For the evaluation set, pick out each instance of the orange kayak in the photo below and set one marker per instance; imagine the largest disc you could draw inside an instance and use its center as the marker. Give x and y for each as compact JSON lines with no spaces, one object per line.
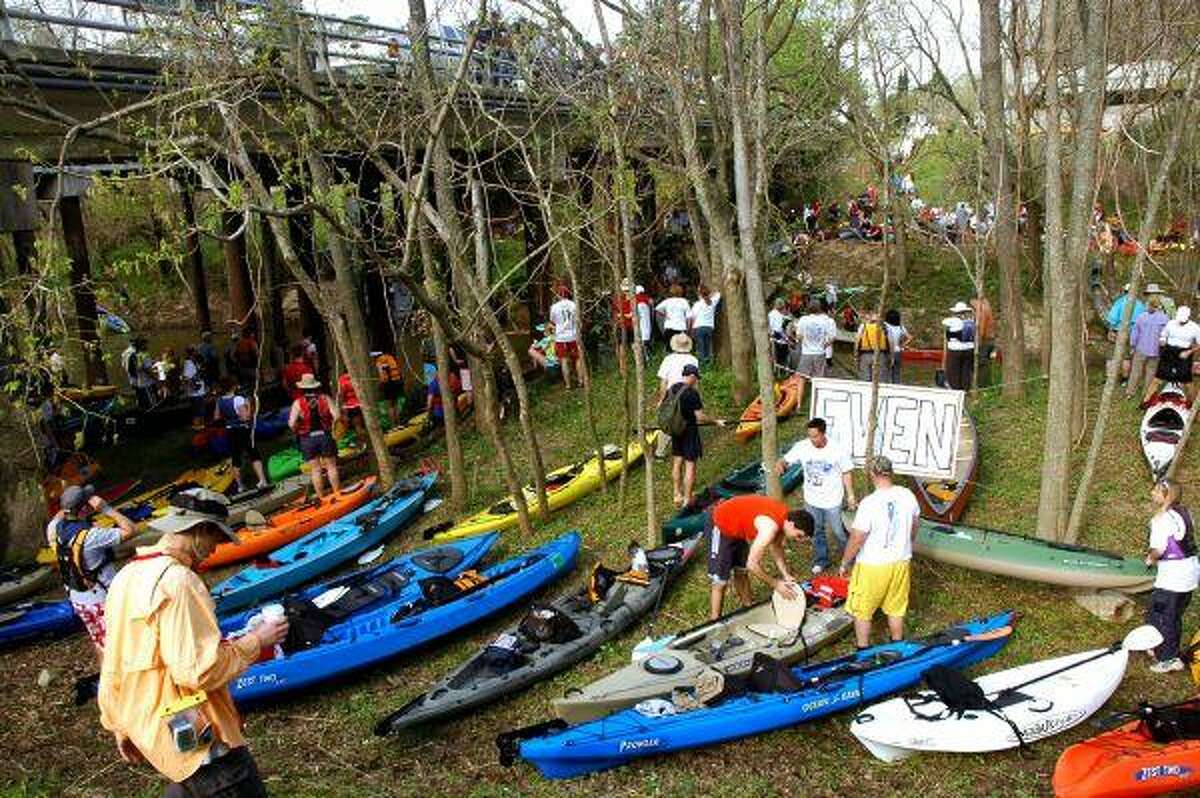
{"x":787,"y":397}
{"x":1127,"y":763}
{"x":289,"y":524}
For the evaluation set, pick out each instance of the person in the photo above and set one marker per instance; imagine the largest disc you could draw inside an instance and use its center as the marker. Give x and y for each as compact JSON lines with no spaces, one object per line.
{"x":245,"y":358}
{"x":871,"y":346}
{"x":827,"y":306}
{"x":985,"y":335}
{"x":236,"y":412}
{"x":879,"y":549}
{"x":164,"y":644}
{"x":1143,"y":340}
{"x":210,"y":363}
{"x":702,"y":320}
{"x":686,"y":448}
{"x":391,"y":383}
{"x":623,"y":311}
{"x":742,"y":530}
{"x":542,"y":350}
{"x":435,"y":409}
{"x":670,"y":374}
{"x":311,"y":353}
{"x":1179,"y":342}
{"x":192,"y":374}
{"x":812,"y":333}
{"x":777,"y":320}
{"x":57,"y":366}
{"x":828,"y":486}
{"x":85,"y":555}
{"x":898,"y":338}
{"x":645,"y":313}
{"x":166,"y":372}
{"x":296,"y":368}
{"x":312,"y":418}
{"x":460,"y":364}
{"x":1173,"y":551}
{"x":673,"y":313}
{"x":1117,"y":309}
{"x":564,"y":315}
{"x":140,"y":372}
{"x":351,"y":408}
{"x":958,"y":347}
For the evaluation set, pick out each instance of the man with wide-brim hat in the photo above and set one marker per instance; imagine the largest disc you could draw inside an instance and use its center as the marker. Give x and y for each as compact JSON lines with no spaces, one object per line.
{"x":1168,"y":304}
{"x":312,"y":419}
{"x":165,"y":650}
{"x":670,"y":374}
{"x":958,"y":347}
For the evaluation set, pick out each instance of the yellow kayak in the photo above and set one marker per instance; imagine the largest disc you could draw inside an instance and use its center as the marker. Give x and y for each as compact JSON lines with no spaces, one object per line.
{"x":407,"y":433}
{"x":563,"y":486}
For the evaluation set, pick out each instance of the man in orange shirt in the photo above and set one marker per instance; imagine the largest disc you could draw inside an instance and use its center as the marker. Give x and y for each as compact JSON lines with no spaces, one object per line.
{"x":743,"y":528}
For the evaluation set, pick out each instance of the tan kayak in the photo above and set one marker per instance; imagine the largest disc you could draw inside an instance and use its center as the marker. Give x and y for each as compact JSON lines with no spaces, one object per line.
{"x":727,"y":644}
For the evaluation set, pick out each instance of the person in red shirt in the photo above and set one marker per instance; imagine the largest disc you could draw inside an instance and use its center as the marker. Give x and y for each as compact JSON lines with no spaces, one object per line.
{"x":743,"y":528}
{"x":623,"y":322}
{"x":351,"y":408}
{"x":296,"y":368}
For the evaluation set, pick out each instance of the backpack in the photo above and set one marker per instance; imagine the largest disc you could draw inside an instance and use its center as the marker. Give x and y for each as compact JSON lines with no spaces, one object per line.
{"x":1171,"y":724}
{"x":670,"y":413}
{"x":70,"y":536}
{"x":956,"y":691}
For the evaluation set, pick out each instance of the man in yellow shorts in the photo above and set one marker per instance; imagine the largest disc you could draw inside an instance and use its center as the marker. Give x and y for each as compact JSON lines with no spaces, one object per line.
{"x":880,"y":548}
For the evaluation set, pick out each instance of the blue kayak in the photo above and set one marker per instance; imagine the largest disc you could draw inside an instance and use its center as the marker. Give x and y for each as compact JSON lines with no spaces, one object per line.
{"x":325,"y":548}
{"x":36,"y":620}
{"x":272,"y":425}
{"x":561,"y":752}
{"x":414,"y":609}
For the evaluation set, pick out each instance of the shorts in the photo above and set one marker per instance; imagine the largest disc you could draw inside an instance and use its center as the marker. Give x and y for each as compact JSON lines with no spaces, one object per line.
{"x":874,"y":587}
{"x":92,"y":617}
{"x":566,"y":350}
{"x":240,"y":446}
{"x":1172,"y":367}
{"x":810,"y":365}
{"x":392,"y":390}
{"x":687,"y":445}
{"x":724,"y":554}
{"x":317,"y":445}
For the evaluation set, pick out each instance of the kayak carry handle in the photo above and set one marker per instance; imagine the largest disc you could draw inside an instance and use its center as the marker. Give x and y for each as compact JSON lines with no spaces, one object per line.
{"x":508,"y":743}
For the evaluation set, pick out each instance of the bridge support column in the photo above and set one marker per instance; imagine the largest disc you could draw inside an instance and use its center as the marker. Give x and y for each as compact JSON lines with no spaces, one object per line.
{"x":274,"y":325}
{"x":195,"y":259}
{"x":540,"y":287}
{"x":19,"y":216}
{"x":370,"y":220}
{"x":237,"y":271}
{"x":301,"y":228}
{"x":70,"y":211}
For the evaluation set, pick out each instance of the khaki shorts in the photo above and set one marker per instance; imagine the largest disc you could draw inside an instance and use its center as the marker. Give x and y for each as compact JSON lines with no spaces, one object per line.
{"x":875,"y":587}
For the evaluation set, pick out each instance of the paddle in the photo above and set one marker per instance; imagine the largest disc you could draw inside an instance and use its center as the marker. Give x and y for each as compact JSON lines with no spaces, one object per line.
{"x":1141,"y":638}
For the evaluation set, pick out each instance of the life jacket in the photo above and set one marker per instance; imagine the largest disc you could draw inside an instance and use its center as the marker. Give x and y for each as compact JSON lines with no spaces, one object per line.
{"x":70,"y":536}
{"x":1181,"y":549}
{"x":872,"y":338}
{"x":229,"y":414}
{"x":319,"y":404}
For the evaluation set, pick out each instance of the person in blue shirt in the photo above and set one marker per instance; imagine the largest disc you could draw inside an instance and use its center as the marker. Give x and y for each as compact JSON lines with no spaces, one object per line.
{"x":1113,"y":319}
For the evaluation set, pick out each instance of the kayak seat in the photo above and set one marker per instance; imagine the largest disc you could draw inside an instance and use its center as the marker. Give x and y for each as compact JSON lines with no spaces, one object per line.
{"x":1162,"y":436}
{"x":1167,"y":418}
{"x":439,"y":561}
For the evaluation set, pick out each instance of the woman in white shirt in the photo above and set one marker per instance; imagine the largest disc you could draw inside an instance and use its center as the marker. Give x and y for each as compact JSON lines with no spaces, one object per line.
{"x":703,"y":318}
{"x":1173,"y":549}
{"x":673,"y":313}
{"x":1179,"y":342}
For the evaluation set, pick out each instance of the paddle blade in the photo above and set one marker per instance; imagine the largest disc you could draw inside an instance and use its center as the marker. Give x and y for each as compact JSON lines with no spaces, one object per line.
{"x":1142,"y":638}
{"x":992,"y":634}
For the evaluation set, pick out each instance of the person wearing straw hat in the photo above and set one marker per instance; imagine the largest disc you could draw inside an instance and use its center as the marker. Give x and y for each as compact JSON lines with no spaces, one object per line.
{"x":312,"y":418}
{"x":1143,"y":341}
{"x":670,"y":374}
{"x":164,"y":679}
{"x":958,"y":347}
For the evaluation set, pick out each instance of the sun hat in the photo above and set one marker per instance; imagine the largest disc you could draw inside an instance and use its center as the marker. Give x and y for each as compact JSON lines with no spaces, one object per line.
{"x":960,"y":307}
{"x":308,"y":383}
{"x":1153,"y":288}
{"x":192,"y":508}
{"x":680,"y":342}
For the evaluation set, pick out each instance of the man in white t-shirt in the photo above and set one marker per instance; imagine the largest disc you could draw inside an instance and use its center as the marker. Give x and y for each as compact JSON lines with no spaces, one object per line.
{"x":564,"y":315}
{"x":1179,"y":342}
{"x":828,"y":484}
{"x":777,"y":321}
{"x":670,"y":373}
{"x":880,"y":548}
{"x":813,"y":332}
{"x":673,"y":313}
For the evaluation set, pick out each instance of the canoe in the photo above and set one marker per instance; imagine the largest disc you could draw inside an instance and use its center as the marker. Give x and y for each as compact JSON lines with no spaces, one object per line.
{"x":364,"y":620}
{"x":564,"y":486}
{"x":1030,"y":558}
{"x":727,"y":644}
{"x":1163,"y":428}
{"x":787,"y":397}
{"x":23,"y":580}
{"x":741,"y":480}
{"x":946,"y":499}
{"x":828,"y":687}
{"x":289,"y":524}
{"x":931,"y":356}
{"x":410,"y":432}
{"x":166,"y":415}
{"x":1127,"y":763}
{"x":326,"y":547}
{"x":92,"y":394}
{"x":481,"y":680}
{"x":111,"y":493}
{"x":36,"y":620}
{"x":897,"y":729}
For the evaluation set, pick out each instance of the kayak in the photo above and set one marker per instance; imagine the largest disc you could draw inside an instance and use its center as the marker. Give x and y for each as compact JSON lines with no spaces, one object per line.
{"x":1164,"y":425}
{"x":289,"y":462}
{"x":326,"y":547}
{"x":359,"y":619}
{"x":586,"y":624}
{"x":92,"y":394}
{"x":787,"y":397}
{"x":946,"y":499}
{"x":727,"y":644}
{"x":21,"y":581}
{"x":901,"y":727}
{"x":1127,"y":762}
{"x":563,"y":486}
{"x":112,"y":492}
{"x":826,"y":688}
{"x":1030,"y":558}
{"x":289,"y":524}
{"x":271,"y":425}
{"x":410,"y":432}
{"x":111,"y":321}
{"x":745,"y":479}
{"x":36,"y":620}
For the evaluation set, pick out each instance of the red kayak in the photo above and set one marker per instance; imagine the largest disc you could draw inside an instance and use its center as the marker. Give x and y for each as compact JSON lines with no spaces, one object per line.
{"x":110,"y":493}
{"x":927,"y":356}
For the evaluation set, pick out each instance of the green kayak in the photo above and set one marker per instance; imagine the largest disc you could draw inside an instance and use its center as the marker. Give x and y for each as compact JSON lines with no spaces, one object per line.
{"x":744,"y":479}
{"x":1029,"y":558}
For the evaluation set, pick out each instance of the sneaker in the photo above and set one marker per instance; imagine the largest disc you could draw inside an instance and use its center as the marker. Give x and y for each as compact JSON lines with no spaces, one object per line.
{"x":1167,"y":666}
{"x":817,"y":568}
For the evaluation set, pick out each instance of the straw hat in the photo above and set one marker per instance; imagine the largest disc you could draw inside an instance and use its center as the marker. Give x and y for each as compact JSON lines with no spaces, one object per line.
{"x":308,"y":383}
{"x":1152,"y":288}
{"x":961,"y":307}
{"x":680,"y":342}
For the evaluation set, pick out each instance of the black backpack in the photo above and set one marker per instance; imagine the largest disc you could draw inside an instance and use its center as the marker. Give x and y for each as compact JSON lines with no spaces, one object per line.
{"x":545,"y":624}
{"x":956,"y":691}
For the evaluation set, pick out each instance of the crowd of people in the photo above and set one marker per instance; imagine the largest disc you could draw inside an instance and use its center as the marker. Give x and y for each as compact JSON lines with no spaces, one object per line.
{"x":1163,"y":343}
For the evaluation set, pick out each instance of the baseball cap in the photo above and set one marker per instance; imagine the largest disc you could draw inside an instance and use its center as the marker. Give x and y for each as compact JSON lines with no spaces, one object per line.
{"x":691,"y":369}
{"x":75,"y":497}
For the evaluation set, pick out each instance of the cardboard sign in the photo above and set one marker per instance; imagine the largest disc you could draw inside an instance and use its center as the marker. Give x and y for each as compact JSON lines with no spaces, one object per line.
{"x":917,"y":428}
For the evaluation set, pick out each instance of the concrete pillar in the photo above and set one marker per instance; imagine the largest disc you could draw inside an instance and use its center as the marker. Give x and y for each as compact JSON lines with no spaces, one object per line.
{"x":540,"y":287}
{"x":370,"y":220}
{"x":237,"y":271}
{"x":301,"y":228}
{"x":275,"y":327}
{"x":70,"y":210}
{"x":195,"y":259}
{"x":647,"y":200}
{"x":19,"y":216}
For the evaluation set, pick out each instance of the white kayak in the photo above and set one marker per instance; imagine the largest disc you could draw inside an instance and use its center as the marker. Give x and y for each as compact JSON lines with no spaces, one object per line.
{"x":1163,"y":427}
{"x":900,"y":727}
